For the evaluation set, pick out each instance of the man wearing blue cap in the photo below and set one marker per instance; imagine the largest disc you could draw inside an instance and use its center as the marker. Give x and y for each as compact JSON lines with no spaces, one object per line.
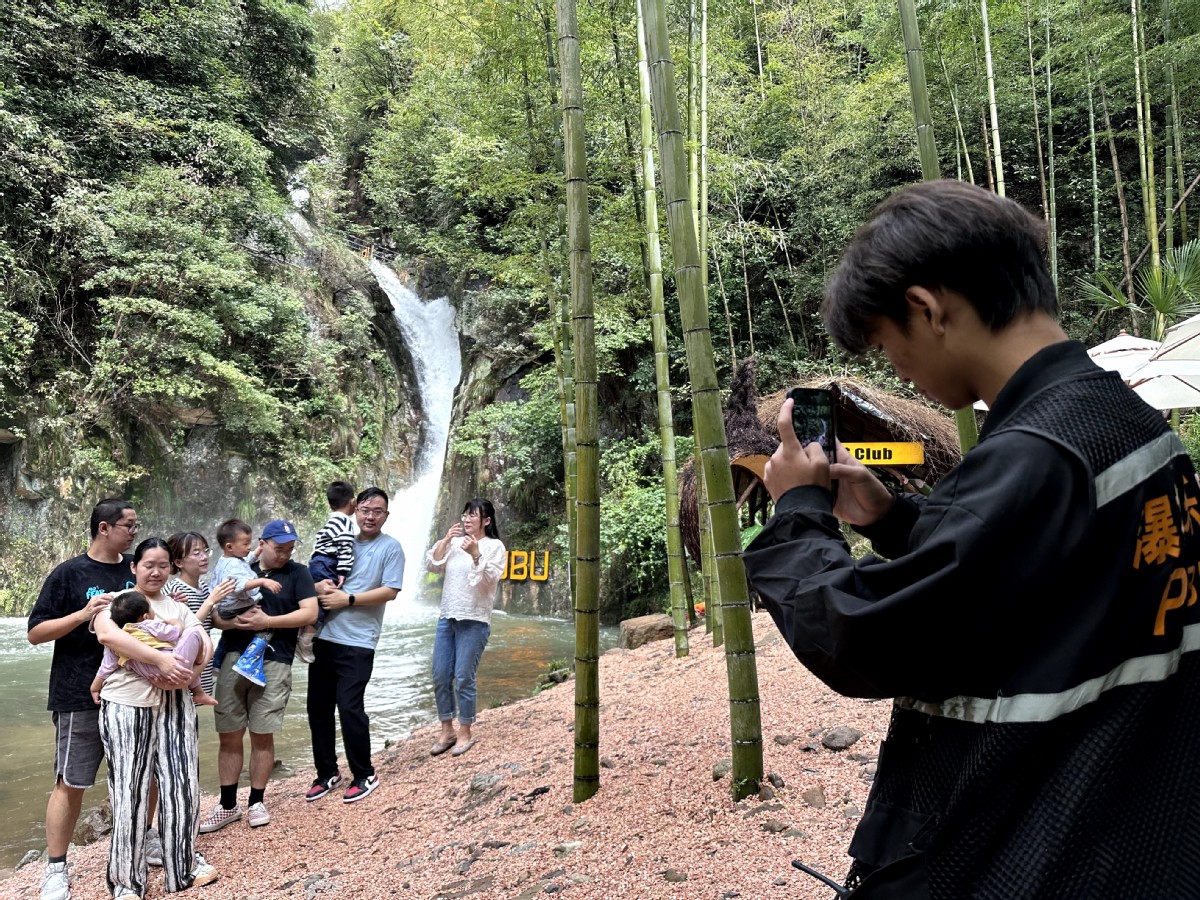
{"x":243,"y":705}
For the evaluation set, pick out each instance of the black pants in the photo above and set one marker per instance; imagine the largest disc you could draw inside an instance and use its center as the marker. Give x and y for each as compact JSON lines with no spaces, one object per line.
{"x":339,"y":679}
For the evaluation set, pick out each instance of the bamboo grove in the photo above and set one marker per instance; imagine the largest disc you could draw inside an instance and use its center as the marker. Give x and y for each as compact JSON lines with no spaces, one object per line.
{"x":761,"y":133}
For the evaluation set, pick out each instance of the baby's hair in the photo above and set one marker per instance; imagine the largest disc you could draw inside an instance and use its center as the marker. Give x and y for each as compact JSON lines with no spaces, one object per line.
{"x":129,"y":607}
{"x":339,"y":493}
{"x":229,"y":531}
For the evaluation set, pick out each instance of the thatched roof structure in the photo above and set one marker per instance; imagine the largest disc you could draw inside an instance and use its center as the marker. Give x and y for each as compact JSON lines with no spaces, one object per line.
{"x":865,"y":415}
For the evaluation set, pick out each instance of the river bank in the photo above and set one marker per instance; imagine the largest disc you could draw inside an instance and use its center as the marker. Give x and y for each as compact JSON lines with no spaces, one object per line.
{"x":499,"y":821}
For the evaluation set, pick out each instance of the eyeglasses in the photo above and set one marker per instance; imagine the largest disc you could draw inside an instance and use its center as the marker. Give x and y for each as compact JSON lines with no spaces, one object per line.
{"x":131,"y":528}
{"x":372,"y":512}
{"x":200,"y":553}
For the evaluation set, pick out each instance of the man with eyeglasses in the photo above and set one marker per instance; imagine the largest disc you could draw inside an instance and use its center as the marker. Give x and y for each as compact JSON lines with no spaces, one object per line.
{"x":345,"y":651}
{"x":72,"y":594}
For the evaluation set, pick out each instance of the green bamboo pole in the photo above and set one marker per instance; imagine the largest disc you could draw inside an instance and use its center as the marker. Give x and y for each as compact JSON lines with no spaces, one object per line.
{"x":991,"y":85}
{"x":693,"y":118}
{"x":1175,"y":127}
{"x":662,"y":372}
{"x":587,"y":578}
{"x":1053,"y":213}
{"x":1095,"y":175}
{"x":1152,"y":189}
{"x":703,"y":237}
{"x":1169,"y":180}
{"x":1145,"y":142}
{"x":1037,"y":128}
{"x":744,"y":713}
{"x":964,"y":419}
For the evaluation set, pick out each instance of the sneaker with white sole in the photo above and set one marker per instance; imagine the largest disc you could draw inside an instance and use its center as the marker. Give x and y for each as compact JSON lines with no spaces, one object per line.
{"x":219,"y":818}
{"x":359,"y":788}
{"x":257,"y":815}
{"x":154,"y":850}
{"x":126,"y":893}
{"x":203,"y":873}
{"x":55,"y":884}
{"x":322,"y":786}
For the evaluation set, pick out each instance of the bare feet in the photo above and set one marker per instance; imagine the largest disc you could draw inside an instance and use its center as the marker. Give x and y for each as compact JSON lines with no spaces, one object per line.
{"x":203,"y":699}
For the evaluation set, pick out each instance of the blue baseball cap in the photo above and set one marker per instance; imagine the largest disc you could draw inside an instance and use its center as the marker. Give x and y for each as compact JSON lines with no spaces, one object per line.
{"x":281,"y":531}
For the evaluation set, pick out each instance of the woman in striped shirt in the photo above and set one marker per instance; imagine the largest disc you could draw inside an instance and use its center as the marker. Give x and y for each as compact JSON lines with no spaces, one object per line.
{"x":188,"y":584}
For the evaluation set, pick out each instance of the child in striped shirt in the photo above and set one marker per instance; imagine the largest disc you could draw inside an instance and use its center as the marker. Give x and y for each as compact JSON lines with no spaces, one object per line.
{"x":332,"y":556}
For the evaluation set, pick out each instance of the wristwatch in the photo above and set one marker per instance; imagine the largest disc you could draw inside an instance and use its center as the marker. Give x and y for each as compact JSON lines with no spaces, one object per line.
{"x":350,"y":598}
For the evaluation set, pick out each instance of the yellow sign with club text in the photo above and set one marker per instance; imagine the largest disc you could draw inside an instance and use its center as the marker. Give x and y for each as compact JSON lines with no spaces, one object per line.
{"x":892,"y":453}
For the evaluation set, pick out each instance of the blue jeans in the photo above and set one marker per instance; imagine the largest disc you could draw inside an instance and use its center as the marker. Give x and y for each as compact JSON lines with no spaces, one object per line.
{"x":456,"y":650}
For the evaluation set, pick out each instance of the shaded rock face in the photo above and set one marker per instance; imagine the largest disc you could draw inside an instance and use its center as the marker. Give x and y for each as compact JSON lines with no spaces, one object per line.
{"x":197,"y":474}
{"x":644,"y":629}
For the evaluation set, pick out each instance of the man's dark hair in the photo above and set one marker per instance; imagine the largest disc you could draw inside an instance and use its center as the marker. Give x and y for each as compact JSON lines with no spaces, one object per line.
{"x":110,"y":511}
{"x":229,"y":531}
{"x":939,"y":234}
{"x":370,"y":492}
{"x":128,"y":607}
{"x":339,"y":493}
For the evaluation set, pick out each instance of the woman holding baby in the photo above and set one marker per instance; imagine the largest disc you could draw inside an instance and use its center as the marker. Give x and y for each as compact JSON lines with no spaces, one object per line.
{"x":148,"y":728}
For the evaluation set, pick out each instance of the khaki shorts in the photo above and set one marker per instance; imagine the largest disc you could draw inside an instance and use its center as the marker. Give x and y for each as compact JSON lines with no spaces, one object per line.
{"x":242,"y":704}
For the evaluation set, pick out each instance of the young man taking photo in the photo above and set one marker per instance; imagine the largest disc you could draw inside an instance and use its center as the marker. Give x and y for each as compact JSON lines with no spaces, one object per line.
{"x":1034,"y":618}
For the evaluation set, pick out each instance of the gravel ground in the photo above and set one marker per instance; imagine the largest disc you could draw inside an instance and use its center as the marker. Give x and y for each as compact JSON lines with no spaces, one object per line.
{"x":499,"y":821}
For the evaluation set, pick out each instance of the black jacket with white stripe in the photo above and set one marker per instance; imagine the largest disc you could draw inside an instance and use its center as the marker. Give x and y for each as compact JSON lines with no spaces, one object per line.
{"x":1035,"y":621}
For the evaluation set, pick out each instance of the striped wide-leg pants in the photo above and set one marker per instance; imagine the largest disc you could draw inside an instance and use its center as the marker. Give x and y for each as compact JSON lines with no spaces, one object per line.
{"x":141,"y":742}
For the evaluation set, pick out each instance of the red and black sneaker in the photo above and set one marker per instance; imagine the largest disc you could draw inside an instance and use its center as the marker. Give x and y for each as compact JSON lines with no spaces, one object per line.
{"x":359,"y":788}
{"x":322,"y":786}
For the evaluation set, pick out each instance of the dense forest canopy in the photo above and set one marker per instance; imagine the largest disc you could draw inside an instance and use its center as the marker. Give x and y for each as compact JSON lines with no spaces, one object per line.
{"x":146,"y":149}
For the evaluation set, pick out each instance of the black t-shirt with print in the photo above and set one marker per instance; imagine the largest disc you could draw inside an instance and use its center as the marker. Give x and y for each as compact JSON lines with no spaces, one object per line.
{"x":77,"y":654}
{"x":297,"y":585}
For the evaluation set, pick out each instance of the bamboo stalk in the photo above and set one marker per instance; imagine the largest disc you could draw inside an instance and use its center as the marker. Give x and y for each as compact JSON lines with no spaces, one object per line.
{"x":587,"y":593}
{"x":744,"y":713}
{"x":991,"y":85}
{"x":964,"y":419}
{"x":1052,"y":240}
{"x":662,"y":371}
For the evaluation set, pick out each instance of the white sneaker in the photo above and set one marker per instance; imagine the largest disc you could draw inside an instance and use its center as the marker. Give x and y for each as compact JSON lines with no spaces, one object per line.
{"x":257,"y":815}
{"x":304,"y":647}
{"x":154,"y":848}
{"x":219,"y":818}
{"x":55,"y":885}
{"x":203,"y":873}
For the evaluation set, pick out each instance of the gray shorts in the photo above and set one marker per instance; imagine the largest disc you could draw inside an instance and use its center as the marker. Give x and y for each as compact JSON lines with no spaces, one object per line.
{"x":242,"y":704}
{"x":77,"y":748}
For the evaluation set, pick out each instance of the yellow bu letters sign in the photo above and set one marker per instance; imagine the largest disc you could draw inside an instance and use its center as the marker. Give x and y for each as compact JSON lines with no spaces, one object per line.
{"x":888,"y":454}
{"x":521,"y":565}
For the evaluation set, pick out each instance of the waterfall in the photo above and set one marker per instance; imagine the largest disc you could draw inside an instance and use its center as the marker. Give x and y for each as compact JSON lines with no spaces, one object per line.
{"x":429,"y":333}
{"x":432,"y":341}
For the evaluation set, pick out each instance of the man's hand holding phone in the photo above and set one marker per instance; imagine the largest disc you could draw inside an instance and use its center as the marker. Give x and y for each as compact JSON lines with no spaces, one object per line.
{"x":861,"y":498}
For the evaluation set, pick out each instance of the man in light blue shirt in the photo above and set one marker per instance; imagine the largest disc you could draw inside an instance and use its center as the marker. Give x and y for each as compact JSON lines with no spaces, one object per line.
{"x":345,"y":651}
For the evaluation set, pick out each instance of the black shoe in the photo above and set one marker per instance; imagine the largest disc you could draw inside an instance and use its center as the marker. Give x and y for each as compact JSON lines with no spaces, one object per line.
{"x":359,"y":788}
{"x":322,"y":786}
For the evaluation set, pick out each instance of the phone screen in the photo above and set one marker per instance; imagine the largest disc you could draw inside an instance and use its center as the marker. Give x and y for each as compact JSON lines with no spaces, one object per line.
{"x":813,"y":419}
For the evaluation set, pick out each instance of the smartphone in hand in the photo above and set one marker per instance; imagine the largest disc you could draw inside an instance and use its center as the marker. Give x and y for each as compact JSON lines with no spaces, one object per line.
{"x":814,"y":418}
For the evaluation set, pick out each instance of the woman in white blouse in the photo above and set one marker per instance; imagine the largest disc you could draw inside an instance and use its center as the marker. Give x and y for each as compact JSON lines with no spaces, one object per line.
{"x":473,"y":559}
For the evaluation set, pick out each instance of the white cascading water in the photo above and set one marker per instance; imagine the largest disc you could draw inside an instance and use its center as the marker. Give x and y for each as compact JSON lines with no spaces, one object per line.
{"x":429,"y":333}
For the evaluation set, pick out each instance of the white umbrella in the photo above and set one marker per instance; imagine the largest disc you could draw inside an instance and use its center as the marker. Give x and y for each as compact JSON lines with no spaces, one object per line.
{"x":1123,"y":354}
{"x":1182,"y":341}
{"x":1170,"y":379}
